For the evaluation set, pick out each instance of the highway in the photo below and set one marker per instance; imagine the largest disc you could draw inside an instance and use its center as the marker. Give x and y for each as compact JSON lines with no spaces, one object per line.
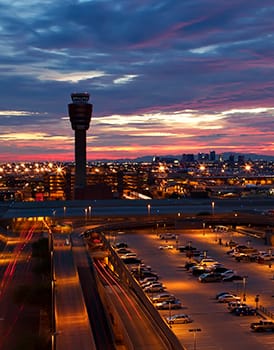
{"x":15,"y":271}
{"x":134,"y":208}
{"x":219,"y":329}
{"x":99,"y":321}
{"x":72,"y":327}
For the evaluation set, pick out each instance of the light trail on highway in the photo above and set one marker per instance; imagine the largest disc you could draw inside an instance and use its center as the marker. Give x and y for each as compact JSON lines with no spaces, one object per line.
{"x":17,"y":270}
{"x":109,"y":279}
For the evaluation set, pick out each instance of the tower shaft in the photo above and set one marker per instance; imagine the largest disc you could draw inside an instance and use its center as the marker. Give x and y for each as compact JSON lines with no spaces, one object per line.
{"x":80,"y":114}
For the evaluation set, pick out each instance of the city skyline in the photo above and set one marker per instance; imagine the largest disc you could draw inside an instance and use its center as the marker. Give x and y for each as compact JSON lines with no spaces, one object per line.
{"x":164,"y":77}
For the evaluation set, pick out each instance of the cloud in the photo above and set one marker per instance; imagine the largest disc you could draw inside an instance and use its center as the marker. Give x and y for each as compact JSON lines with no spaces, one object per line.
{"x":163,"y":76}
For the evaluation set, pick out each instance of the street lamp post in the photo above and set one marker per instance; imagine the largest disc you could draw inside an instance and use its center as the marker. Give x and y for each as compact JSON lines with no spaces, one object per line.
{"x":148,"y":209}
{"x":195,"y":330}
{"x":244,"y":287}
{"x":203,"y":228}
{"x":65,"y":209}
{"x":169,"y":309}
{"x":257,"y":301}
{"x":212,"y":207}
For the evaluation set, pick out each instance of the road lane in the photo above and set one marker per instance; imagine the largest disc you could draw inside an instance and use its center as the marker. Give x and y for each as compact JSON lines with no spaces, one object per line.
{"x":72,"y":324}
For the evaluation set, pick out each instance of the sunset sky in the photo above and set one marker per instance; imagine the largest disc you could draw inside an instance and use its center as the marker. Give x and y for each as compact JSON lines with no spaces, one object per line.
{"x":165,"y":77}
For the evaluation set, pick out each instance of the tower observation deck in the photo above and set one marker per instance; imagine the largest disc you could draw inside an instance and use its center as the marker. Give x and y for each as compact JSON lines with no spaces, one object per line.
{"x":80,"y":112}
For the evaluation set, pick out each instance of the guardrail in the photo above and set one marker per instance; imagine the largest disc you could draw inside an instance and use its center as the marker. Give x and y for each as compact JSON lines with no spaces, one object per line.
{"x":263,"y":311}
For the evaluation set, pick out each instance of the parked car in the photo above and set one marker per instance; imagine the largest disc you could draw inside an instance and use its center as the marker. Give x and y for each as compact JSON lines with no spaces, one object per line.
{"x":123,"y":250}
{"x":210,"y":277}
{"x":162,"y":297}
{"x":121,"y":245}
{"x":148,"y":279}
{"x":152,"y":284}
{"x":168,"y":236}
{"x":185,"y":248}
{"x":226,"y":273}
{"x":244,"y":311}
{"x":218,"y":295}
{"x":179,"y":318}
{"x":220,"y":269}
{"x":164,"y":247}
{"x":190,"y":264}
{"x":226,"y":298}
{"x":153,"y":289}
{"x":265,"y":257}
{"x":234,"y":304}
{"x":132,"y":261}
{"x":169,"y":304}
{"x":198,"y":270}
{"x":129,"y":255}
{"x":262,"y":326}
{"x":145,"y":273}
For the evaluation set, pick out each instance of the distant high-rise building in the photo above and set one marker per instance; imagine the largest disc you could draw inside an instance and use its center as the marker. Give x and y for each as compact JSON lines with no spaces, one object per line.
{"x":212,"y":156}
{"x":203,"y":157}
{"x":231,"y":159}
{"x":241,"y":159}
{"x":80,"y":114}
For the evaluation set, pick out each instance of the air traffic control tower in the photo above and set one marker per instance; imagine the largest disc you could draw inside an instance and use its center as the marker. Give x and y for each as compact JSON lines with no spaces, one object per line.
{"x":80,"y":114}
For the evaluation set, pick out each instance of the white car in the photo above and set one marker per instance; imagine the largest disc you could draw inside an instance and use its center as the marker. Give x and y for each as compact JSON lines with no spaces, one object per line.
{"x":162,"y":297}
{"x":149,"y":279}
{"x":164,"y":247}
{"x":152,"y":284}
{"x":206,"y":261}
{"x":179,"y":318}
{"x":265,"y":257}
{"x":227,"y":273}
{"x":129,"y":255}
{"x":228,"y":298}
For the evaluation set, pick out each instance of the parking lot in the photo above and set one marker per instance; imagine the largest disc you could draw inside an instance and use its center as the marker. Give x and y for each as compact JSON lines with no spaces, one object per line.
{"x":213,"y":326}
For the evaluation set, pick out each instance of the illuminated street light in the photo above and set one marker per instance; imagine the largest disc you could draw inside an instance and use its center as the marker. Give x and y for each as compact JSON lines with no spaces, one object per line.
{"x":148,"y":209}
{"x":65,"y":209}
{"x":212,"y":207}
{"x":203,"y":228}
{"x":89,"y":211}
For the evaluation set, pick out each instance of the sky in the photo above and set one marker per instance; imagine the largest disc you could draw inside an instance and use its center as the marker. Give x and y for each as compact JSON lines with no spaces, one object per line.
{"x":165,"y":77}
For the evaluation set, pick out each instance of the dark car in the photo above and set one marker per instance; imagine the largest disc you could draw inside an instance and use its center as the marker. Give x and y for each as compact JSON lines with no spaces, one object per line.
{"x":198,"y":270}
{"x":121,"y":245}
{"x":189,"y":264}
{"x":244,"y":311}
{"x":220,"y":269}
{"x":168,"y":305}
{"x":132,"y":261}
{"x":210,"y":277}
{"x":144,"y":274}
{"x":185,"y":248}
